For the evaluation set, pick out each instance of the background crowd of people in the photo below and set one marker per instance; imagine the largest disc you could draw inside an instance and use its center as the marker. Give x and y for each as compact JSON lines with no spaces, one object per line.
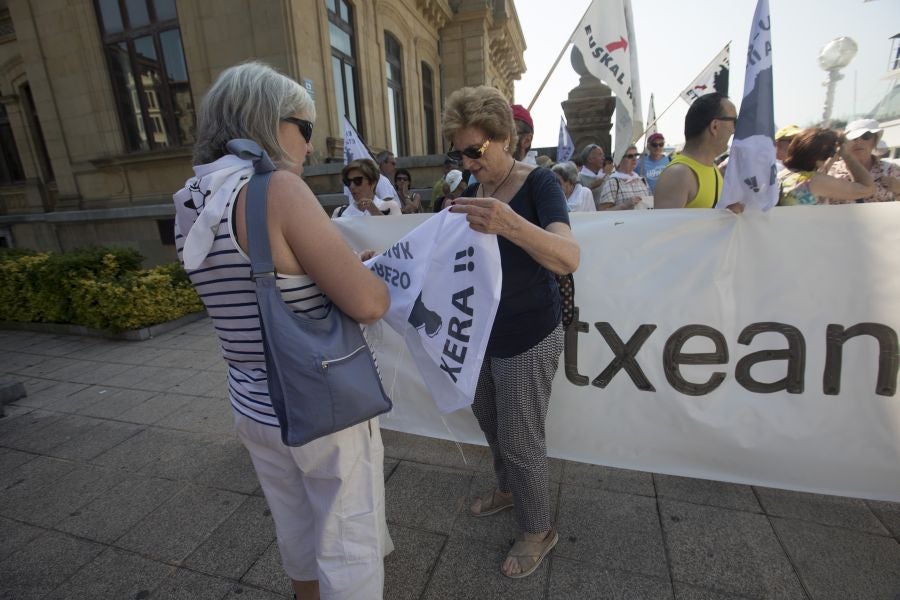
{"x":814,"y":166}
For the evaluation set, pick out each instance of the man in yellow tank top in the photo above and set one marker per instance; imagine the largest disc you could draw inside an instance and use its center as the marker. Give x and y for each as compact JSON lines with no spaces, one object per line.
{"x":692,"y":180}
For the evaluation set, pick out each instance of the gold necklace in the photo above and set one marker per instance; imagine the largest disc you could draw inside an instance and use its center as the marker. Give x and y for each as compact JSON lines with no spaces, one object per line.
{"x":508,"y":173}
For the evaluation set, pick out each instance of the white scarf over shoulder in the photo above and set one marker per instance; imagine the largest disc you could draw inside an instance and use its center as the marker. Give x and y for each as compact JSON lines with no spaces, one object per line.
{"x":201,"y":203}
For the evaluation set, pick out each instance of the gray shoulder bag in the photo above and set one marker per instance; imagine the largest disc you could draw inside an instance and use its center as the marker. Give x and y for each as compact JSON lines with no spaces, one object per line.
{"x":321,"y":374}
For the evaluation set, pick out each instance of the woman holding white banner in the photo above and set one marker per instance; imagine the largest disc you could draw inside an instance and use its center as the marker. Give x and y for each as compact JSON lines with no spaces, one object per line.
{"x":525,"y":207}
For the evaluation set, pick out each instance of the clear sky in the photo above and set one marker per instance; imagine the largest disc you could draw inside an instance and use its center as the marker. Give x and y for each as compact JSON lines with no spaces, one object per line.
{"x":676,"y":40}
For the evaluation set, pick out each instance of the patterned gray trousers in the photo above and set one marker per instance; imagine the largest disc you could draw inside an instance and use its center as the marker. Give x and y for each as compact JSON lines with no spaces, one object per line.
{"x":511,"y":401}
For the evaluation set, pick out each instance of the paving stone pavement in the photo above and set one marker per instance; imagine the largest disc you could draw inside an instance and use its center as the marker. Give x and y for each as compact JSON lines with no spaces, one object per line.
{"x":120,"y":478}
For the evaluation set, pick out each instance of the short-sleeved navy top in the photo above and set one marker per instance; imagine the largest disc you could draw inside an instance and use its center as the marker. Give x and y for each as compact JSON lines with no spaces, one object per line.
{"x":530,"y":306}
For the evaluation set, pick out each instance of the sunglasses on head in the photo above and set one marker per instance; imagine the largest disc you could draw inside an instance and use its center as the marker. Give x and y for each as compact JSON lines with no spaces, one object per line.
{"x":472,"y":152}
{"x":357,"y":181}
{"x":657,"y":144}
{"x":303,"y":125}
{"x":632,"y":155}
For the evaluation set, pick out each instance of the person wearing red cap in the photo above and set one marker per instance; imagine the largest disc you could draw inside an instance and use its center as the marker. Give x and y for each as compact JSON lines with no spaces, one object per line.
{"x":524,"y":129}
{"x":652,"y":164}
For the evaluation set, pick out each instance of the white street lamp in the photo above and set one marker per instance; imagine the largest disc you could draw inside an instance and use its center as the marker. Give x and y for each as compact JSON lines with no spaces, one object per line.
{"x":833,"y":57}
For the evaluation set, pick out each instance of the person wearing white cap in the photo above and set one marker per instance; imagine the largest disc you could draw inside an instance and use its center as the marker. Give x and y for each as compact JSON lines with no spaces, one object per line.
{"x":454,"y":186}
{"x":863,"y":136}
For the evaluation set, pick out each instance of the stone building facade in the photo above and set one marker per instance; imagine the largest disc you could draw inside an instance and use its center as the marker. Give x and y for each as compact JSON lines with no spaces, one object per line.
{"x":97,"y":97}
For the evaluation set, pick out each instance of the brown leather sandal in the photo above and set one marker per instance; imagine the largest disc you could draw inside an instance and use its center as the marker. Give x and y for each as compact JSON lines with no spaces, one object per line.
{"x":491,"y":503}
{"x":530,"y":554}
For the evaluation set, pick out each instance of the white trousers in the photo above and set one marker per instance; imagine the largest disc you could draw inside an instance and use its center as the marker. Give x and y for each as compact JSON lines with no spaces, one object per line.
{"x":327,"y":500}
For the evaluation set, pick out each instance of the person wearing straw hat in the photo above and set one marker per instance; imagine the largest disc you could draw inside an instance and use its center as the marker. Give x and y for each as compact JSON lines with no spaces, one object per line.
{"x":783,"y":138}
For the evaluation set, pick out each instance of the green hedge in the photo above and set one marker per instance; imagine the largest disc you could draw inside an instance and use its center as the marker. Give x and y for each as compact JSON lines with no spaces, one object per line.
{"x":102,"y":288}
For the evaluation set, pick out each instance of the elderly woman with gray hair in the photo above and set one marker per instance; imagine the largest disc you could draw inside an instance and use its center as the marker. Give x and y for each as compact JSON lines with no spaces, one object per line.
{"x":578,"y":197}
{"x":326,"y":497}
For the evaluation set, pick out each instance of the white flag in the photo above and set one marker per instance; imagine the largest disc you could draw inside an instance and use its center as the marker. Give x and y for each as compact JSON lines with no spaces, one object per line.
{"x":354,"y":149}
{"x":714,"y":78}
{"x":651,"y":119}
{"x":565,"y":147}
{"x":605,"y":37}
{"x":750,"y":177}
{"x":444,"y":279}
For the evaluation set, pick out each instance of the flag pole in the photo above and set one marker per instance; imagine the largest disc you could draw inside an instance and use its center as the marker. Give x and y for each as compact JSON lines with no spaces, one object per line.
{"x":359,"y":137}
{"x":556,"y":62}
{"x":649,"y":125}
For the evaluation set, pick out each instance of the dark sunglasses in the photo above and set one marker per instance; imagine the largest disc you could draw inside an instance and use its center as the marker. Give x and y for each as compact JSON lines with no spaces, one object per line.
{"x":302,"y":124}
{"x":470,"y":152}
{"x":629,"y":156}
{"x":657,"y":144}
{"x":357,"y":181}
{"x":401,"y":178}
{"x":866,"y":136}
{"x":732,"y":119}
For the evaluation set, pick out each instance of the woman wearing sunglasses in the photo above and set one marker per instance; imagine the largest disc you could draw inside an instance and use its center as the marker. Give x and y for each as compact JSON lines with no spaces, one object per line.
{"x":624,"y":189}
{"x":412,"y":201}
{"x":862,"y":138}
{"x":361,"y":176}
{"x":524,"y":206}
{"x":804,"y":180}
{"x":326,"y":497}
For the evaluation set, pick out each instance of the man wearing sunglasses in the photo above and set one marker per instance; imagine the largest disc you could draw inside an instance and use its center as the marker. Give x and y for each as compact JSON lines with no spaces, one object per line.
{"x":692,"y":180}
{"x":863,"y":136}
{"x":650,"y":166}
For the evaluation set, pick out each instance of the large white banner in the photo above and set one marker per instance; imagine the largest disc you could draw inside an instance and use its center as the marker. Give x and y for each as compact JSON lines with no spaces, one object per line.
{"x":758,"y":348}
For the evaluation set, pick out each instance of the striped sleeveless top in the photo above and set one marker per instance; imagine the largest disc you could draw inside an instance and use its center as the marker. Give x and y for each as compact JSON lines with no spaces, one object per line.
{"x":224,"y":285}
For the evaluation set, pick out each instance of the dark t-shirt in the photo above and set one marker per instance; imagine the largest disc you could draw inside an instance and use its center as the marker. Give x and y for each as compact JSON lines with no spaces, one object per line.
{"x":530,"y":306}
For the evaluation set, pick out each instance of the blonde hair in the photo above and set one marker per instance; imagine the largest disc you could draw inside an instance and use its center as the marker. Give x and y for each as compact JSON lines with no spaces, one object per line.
{"x":483,"y":108}
{"x":248,"y":101}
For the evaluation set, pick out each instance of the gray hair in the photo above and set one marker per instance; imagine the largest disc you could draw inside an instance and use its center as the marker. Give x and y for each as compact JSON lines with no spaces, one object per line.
{"x":587,"y":152}
{"x":567,"y":171}
{"x":248,"y":101}
{"x":383,"y":156}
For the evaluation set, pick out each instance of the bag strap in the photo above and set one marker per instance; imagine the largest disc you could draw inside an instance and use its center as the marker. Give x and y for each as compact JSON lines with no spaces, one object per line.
{"x":260,"y":251}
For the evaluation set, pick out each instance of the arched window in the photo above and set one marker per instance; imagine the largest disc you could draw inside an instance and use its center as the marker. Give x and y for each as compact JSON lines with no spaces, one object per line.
{"x":396,"y":107}
{"x":343,"y":63}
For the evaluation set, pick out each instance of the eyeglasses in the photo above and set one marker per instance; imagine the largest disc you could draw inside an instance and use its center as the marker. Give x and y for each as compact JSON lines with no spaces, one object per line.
{"x":357,"y":181}
{"x":657,"y":144}
{"x":470,"y":152}
{"x":632,"y":155}
{"x":732,"y":119}
{"x":866,"y":136}
{"x":401,"y":178}
{"x":302,"y":124}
